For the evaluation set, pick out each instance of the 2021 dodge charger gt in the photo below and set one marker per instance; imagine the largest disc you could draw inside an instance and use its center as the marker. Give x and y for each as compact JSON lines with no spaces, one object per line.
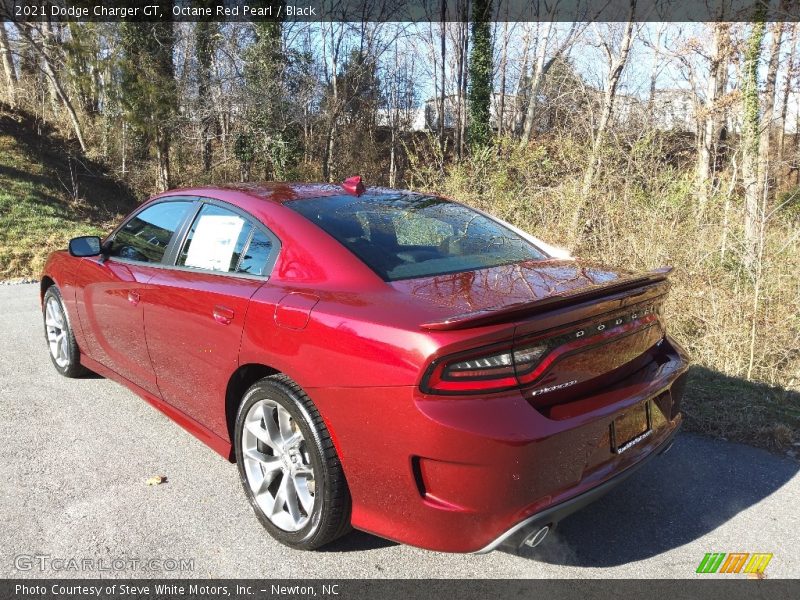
{"x":390,"y":361}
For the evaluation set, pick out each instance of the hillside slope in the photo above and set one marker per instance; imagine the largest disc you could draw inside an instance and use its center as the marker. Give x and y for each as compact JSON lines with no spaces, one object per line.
{"x":49,"y":192}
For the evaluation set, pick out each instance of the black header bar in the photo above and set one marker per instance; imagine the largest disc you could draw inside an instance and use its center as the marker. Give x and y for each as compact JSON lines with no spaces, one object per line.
{"x":397,"y":10}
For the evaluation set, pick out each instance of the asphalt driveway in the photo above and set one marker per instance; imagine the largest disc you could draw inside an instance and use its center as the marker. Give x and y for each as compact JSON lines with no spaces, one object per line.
{"x":76,"y":455}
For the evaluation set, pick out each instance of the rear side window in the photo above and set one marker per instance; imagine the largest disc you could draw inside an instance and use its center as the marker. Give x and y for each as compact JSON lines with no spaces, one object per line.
{"x":408,"y":235}
{"x":222,"y":240}
{"x":145,"y":237}
{"x":216,"y":240}
{"x":257,"y":256}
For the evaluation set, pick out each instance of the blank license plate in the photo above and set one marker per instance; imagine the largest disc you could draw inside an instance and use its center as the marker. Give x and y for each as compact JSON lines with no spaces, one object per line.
{"x":630,"y":428}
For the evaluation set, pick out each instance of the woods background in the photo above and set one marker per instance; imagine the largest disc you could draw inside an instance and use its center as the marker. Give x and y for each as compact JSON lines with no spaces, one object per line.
{"x":635,"y":144}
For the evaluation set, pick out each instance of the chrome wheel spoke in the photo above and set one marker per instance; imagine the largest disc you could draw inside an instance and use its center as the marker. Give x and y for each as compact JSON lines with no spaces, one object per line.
{"x":280,"y":497}
{"x":266,"y":481}
{"x":293,"y":440}
{"x":292,"y":502}
{"x":268,"y":463}
{"x":285,"y":424}
{"x":261,"y":434}
{"x":303,"y":494}
{"x":275,"y":465}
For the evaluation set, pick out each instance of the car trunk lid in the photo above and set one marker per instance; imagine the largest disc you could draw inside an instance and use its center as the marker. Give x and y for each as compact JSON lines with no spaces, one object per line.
{"x":575,"y":325}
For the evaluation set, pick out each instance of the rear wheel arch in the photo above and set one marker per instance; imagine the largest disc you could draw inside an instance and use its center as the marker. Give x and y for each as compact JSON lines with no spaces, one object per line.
{"x":240,"y":381}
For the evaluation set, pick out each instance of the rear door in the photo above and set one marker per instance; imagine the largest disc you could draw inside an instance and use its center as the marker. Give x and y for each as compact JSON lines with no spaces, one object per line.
{"x":195,"y":310}
{"x":110,"y":291}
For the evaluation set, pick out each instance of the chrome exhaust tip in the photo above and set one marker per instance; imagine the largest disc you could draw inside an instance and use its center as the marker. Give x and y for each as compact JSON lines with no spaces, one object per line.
{"x":667,"y":449}
{"x":536,"y":537}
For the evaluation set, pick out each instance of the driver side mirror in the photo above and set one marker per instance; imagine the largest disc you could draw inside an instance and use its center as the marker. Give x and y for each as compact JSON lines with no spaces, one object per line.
{"x":87,"y":245}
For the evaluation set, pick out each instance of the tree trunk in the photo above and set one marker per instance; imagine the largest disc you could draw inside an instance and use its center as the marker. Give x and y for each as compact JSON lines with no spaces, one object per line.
{"x":164,"y":181}
{"x":205,"y":33}
{"x":709,"y":133}
{"x":8,"y":67}
{"x":442,"y":92}
{"x":480,"y":75}
{"x":500,"y":112}
{"x":460,"y":79}
{"x":54,"y":80}
{"x":787,"y":89}
{"x":540,"y":67}
{"x":769,"y":107}
{"x":750,"y":142}
{"x":616,"y":68}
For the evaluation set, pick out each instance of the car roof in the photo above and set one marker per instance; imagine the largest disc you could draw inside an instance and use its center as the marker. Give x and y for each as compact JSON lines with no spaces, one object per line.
{"x":278,"y":192}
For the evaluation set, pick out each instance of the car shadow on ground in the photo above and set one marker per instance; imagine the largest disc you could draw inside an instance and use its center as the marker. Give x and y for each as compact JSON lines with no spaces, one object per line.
{"x":679,"y":497}
{"x":357,"y":541}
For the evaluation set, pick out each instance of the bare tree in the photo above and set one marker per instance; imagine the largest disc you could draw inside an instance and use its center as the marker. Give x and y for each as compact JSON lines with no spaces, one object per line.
{"x":8,"y":66}
{"x":789,"y":77}
{"x":751,"y":123}
{"x":617,"y":59}
{"x":545,"y":57}
{"x":708,"y":133}
{"x":45,"y":51}
{"x":768,"y":111}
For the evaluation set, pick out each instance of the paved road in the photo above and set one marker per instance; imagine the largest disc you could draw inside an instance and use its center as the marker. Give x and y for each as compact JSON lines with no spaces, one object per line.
{"x":76,"y":454}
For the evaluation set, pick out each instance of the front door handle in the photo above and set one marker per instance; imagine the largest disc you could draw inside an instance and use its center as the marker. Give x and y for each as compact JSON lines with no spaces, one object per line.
{"x":223,"y":314}
{"x":133,"y":298}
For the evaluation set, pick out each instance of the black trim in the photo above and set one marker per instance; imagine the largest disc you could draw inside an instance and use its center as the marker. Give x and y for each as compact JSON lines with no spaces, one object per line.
{"x":179,"y":239}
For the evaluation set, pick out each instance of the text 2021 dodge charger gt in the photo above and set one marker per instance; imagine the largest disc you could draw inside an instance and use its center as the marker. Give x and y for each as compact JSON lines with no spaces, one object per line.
{"x":391,"y":361}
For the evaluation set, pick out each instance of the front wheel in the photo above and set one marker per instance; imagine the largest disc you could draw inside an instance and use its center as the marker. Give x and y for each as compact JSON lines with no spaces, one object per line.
{"x":64,"y":350}
{"x":289,"y":467}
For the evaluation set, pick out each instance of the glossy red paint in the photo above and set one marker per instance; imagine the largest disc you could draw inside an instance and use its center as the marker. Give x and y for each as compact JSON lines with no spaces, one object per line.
{"x":446,"y":472}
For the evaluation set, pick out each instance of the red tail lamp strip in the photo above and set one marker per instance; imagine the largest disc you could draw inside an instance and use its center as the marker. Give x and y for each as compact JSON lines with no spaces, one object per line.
{"x":436,"y":383}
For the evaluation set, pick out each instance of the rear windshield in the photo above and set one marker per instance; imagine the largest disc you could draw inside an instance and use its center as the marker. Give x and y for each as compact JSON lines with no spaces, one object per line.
{"x":407,"y":235}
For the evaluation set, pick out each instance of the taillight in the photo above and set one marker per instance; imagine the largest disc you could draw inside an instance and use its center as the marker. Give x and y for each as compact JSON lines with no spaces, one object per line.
{"x":511,"y":365}
{"x":487,"y":370}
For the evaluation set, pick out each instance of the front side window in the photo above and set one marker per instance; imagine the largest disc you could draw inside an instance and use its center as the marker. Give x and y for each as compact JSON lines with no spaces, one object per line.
{"x":408,"y":235}
{"x":145,"y":237}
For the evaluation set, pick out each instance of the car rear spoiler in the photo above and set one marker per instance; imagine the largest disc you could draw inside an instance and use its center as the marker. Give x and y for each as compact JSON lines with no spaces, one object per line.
{"x":488,"y":316}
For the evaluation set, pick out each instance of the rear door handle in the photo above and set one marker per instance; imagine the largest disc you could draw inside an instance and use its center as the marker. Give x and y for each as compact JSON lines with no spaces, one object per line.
{"x":133,"y":298}
{"x":223,"y":314}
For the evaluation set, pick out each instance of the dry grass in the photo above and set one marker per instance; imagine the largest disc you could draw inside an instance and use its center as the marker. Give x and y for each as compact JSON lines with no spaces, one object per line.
{"x":49,"y":193}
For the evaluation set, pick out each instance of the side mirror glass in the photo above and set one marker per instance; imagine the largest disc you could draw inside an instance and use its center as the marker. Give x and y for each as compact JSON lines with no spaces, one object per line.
{"x":87,"y":245}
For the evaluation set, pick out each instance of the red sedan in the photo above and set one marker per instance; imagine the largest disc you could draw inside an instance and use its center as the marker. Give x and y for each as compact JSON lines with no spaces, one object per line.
{"x":391,"y":361}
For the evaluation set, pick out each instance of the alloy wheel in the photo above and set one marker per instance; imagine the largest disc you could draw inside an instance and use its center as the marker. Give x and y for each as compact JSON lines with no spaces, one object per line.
{"x":56,"y":323}
{"x":278,"y":466}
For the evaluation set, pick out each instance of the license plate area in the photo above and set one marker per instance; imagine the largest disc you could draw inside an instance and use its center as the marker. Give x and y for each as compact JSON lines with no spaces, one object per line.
{"x":630,"y":428}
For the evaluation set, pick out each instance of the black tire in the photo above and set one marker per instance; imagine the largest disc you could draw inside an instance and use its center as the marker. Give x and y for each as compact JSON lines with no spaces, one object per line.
{"x":73,"y":367}
{"x":330,"y":516}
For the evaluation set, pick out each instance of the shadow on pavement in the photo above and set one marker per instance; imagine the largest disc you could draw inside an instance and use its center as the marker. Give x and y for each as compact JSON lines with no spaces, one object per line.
{"x":357,"y":541}
{"x":696,"y":487}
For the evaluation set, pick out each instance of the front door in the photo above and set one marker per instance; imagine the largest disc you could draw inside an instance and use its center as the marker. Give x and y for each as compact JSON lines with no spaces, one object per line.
{"x":111,"y":291}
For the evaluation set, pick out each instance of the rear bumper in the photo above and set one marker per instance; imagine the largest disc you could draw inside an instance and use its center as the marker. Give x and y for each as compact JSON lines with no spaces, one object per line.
{"x":463,"y":474}
{"x":514,"y":537}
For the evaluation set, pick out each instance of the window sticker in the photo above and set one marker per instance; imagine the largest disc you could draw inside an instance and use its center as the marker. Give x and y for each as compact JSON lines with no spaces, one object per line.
{"x":213,"y":242}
